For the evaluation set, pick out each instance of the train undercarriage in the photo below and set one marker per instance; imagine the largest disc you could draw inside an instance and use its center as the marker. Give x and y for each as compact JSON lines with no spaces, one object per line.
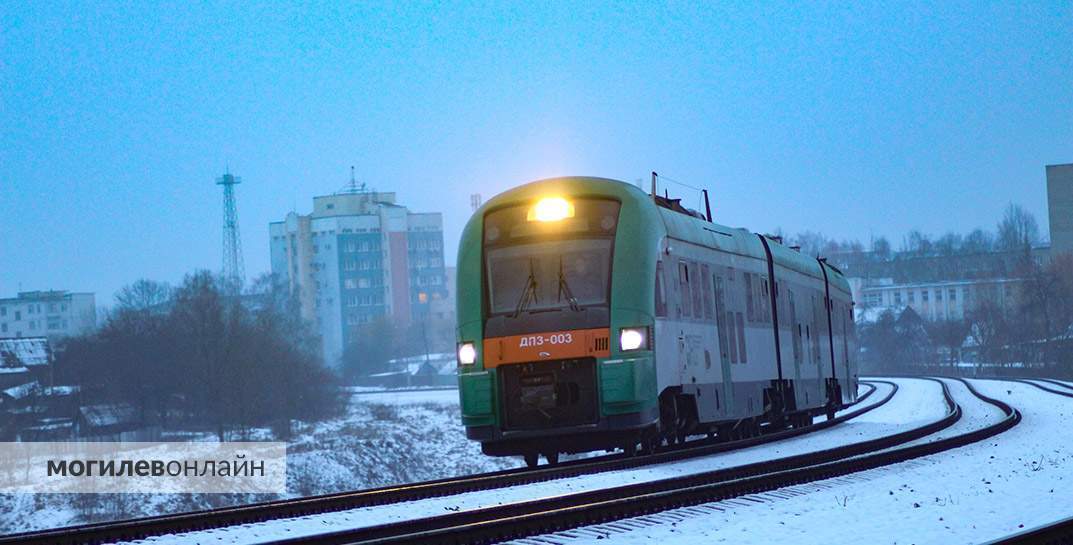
{"x":552,"y":408}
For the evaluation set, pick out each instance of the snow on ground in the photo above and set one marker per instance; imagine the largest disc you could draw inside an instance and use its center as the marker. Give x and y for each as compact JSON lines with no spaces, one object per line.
{"x":1016,"y":480}
{"x":917,"y":402}
{"x":442,"y":396}
{"x":385,"y":438}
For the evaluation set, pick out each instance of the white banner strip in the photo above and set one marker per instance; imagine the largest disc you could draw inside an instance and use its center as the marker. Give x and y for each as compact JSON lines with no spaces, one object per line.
{"x":98,"y":468}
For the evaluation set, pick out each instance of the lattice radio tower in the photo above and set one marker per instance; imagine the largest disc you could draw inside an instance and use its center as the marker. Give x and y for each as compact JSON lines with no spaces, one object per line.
{"x":233,"y":267}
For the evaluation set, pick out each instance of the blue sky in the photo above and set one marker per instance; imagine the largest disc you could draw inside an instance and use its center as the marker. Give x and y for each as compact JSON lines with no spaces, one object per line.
{"x":852,"y":119}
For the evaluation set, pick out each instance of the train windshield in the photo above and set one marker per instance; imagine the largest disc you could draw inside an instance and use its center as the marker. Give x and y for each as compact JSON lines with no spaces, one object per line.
{"x":565,"y":275}
{"x":549,"y":274}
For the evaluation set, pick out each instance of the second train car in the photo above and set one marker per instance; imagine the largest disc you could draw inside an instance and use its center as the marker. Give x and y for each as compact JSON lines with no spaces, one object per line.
{"x":593,"y":315}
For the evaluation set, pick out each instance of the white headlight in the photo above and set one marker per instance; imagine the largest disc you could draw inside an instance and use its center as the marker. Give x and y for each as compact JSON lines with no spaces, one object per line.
{"x":632,"y":338}
{"x":467,"y":354}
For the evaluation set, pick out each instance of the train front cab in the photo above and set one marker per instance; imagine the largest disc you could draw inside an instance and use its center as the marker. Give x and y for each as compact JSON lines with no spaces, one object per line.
{"x":556,"y":316}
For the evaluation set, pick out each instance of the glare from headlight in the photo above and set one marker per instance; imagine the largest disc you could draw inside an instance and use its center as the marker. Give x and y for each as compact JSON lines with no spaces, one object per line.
{"x":631,"y":338}
{"x":467,"y":354}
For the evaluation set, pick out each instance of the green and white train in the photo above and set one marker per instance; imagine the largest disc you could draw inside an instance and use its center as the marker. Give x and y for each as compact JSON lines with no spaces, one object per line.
{"x":595,"y":316}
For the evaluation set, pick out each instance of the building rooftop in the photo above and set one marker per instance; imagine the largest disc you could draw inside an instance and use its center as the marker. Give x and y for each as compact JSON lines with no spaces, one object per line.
{"x":102,"y":416}
{"x":24,"y":351}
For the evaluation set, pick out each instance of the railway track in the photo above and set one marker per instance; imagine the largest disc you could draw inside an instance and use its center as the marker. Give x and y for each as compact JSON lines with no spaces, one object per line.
{"x":1052,"y":386}
{"x":266,"y":511}
{"x":518,"y":520}
{"x":1057,"y":533}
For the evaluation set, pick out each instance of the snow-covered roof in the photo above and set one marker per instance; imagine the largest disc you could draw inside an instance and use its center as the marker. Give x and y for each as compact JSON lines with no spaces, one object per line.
{"x":871,"y":314}
{"x":21,"y":391}
{"x":99,"y":416}
{"x":51,"y":424}
{"x":28,"y":351}
{"x":61,"y":390}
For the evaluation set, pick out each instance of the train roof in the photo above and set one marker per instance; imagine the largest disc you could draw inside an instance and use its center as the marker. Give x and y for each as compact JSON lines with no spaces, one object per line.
{"x":575,"y":186}
{"x":676,"y":224}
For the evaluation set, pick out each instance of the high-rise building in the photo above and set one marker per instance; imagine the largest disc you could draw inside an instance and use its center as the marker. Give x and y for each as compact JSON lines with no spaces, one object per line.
{"x":52,"y":314}
{"x":359,"y":256}
{"x":1060,"y":207}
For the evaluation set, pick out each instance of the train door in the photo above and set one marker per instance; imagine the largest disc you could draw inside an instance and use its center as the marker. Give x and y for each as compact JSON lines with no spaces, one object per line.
{"x":819,"y":339}
{"x":847,"y":330}
{"x":724,"y":343}
{"x":795,"y":330}
{"x":686,"y":337}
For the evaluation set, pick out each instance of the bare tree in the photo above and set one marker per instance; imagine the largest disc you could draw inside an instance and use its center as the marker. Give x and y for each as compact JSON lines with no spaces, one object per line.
{"x":143,"y":295}
{"x":374,"y":344}
{"x":811,"y":242}
{"x":1018,"y":229}
{"x":881,"y":248}
{"x":978,"y":242}
{"x":948,"y":244}
{"x":227,"y":360}
{"x":949,"y":335}
{"x":917,"y":243}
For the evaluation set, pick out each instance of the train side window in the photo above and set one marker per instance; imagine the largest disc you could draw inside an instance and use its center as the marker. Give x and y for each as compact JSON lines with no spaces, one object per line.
{"x":685,"y":298}
{"x":706,"y":290}
{"x":749,"y":312}
{"x":765,"y":302}
{"x":730,"y":333}
{"x":695,"y":285}
{"x":720,"y":320}
{"x":661,"y":298}
{"x":741,"y":339}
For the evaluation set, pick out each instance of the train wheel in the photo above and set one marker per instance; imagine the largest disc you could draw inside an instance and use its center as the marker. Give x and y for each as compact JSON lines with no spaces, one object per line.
{"x":552,"y":457}
{"x":630,"y":448}
{"x":532,"y":459}
{"x":651,"y":444}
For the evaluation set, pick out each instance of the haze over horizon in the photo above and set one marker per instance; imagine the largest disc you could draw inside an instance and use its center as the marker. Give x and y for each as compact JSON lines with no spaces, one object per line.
{"x":848,"y":120}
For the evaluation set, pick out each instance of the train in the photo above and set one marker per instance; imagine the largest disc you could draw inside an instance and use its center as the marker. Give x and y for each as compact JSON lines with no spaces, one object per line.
{"x":593,"y":315}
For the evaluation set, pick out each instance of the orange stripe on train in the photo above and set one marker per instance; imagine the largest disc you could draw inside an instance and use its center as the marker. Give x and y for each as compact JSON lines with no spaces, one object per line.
{"x":554,"y":345}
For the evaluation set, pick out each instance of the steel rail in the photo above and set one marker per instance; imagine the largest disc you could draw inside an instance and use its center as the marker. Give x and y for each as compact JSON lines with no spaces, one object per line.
{"x":523,"y":519}
{"x":139,"y":528}
{"x":1067,"y":390}
{"x":1064,"y":389}
{"x":1056,"y":533}
{"x":1063,"y":384}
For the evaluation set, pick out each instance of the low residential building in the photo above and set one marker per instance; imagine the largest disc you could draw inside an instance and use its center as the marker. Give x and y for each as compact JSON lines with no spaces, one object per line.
{"x":112,"y":423}
{"x":940,"y":300}
{"x":51,"y":313}
{"x":25,"y":359}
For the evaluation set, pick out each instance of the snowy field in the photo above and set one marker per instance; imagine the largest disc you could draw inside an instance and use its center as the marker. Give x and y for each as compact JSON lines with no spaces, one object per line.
{"x":917,"y":402}
{"x":384,"y":438}
{"x":1017,"y":480}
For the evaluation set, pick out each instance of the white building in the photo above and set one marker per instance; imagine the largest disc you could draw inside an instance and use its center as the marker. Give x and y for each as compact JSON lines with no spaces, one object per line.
{"x":357,"y":256}
{"x":942,"y":300}
{"x":52,"y":314}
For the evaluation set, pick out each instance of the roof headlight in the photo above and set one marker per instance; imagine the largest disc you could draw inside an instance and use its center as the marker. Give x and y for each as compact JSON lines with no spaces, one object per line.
{"x":551,"y":209}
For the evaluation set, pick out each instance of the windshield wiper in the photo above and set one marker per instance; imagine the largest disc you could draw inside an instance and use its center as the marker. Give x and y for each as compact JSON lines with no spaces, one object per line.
{"x":529,"y":294}
{"x":564,"y":289}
